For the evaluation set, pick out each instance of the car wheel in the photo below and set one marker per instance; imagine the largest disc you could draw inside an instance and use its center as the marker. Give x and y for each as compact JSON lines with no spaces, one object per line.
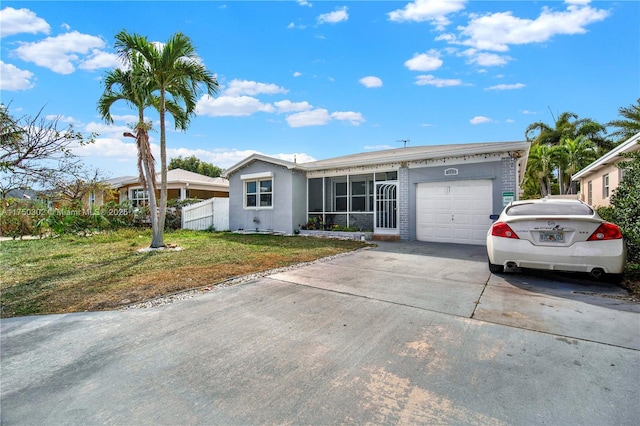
{"x":495,"y":269}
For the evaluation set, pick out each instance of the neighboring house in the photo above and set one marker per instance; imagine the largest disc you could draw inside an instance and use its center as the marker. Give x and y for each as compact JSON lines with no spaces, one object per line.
{"x":599,"y":179}
{"x":181,"y":184}
{"x":444,"y":193}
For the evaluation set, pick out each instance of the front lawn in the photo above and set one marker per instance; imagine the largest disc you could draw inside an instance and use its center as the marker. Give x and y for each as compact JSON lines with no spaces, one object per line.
{"x":106,"y":271}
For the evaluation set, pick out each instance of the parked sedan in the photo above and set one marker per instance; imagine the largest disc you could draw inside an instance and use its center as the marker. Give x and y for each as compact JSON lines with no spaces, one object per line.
{"x":555,"y":234}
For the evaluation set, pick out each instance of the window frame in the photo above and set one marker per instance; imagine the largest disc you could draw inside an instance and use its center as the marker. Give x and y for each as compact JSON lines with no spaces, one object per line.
{"x":605,"y":186}
{"x":258,"y":179}
{"x":137,"y":202}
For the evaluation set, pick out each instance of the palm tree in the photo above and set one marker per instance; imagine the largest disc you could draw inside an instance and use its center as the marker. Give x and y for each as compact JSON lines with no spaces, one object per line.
{"x":121,"y":85}
{"x":574,"y":155}
{"x":540,"y":166}
{"x":174,"y":73}
{"x":567,"y":125}
{"x":629,"y":126}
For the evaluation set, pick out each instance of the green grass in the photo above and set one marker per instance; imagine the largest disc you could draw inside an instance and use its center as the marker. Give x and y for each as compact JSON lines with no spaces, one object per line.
{"x":105,"y":271}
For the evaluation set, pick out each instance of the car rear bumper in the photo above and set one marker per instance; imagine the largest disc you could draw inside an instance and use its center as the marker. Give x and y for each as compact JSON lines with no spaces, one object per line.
{"x":608,"y":255}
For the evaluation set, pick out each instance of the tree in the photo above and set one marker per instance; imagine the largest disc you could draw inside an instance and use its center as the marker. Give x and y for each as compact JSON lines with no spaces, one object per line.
{"x":539,"y":171}
{"x":630,"y":125}
{"x":174,"y":73}
{"x":122,"y":85}
{"x":35,"y":151}
{"x":194,"y":164}
{"x":566,"y":127}
{"x":573,"y":155}
{"x":626,"y":204}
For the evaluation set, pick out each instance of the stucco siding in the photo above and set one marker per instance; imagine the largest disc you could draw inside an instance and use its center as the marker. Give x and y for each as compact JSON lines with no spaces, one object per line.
{"x":279,"y":217}
{"x":598,"y":197}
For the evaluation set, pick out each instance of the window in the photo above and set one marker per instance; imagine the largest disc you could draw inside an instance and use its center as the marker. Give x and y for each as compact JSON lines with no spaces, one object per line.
{"x":340,"y":196}
{"x":605,"y":186}
{"x":590,"y":193}
{"x":362,"y":196}
{"x":259,"y":193}
{"x":139,"y":198}
{"x":92,"y":199}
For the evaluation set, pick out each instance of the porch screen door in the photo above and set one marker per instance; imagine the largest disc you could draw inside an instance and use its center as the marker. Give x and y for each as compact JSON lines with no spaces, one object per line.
{"x":386,"y":213}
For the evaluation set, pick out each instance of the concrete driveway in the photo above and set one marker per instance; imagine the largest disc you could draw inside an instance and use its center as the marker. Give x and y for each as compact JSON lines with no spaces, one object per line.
{"x":406,"y":333}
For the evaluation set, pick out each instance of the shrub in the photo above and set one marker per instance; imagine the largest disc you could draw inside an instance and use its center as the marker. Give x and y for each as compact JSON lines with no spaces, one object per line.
{"x":625,"y":205}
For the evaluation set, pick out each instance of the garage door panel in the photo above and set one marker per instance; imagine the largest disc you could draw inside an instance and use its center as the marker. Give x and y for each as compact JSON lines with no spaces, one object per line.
{"x":469,"y":203}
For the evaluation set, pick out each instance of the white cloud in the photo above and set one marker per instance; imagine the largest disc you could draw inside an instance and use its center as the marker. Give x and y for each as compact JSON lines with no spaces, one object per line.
{"x":61,"y":119}
{"x":371,"y":81}
{"x":479,"y":119}
{"x":108,"y":131}
{"x":430,"y":80}
{"x":497,"y":31}
{"x":231,"y":106}
{"x":109,"y":148}
{"x":298,"y":157}
{"x":428,"y":61}
{"x":434,"y":11}
{"x":297,"y":74}
{"x":316,"y":117}
{"x":288,"y":106}
{"x":247,"y":87}
{"x":354,"y":118}
{"x":304,"y":3}
{"x":486,"y":59}
{"x":60,"y":53}
{"x":17,"y":21}
{"x":14,"y":79}
{"x":506,"y":86}
{"x":338,"y":15}
{"x":99,"y":59}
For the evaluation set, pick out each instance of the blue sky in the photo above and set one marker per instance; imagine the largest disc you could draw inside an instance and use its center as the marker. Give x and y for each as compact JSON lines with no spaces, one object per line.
{"x":319,"y":79}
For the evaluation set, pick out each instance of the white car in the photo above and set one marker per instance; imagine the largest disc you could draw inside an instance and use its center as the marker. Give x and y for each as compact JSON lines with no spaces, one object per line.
{"x":556,"y":234}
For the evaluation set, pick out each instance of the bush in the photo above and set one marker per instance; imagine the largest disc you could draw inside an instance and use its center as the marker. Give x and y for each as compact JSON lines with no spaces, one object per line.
{"x":625,"y":205}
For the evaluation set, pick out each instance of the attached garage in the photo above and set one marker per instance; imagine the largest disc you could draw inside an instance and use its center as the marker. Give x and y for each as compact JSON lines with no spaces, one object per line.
{"x":454,"y":212}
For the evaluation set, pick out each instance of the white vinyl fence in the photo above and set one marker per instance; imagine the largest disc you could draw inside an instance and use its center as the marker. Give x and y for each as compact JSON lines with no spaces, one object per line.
{"x":211,"y":213}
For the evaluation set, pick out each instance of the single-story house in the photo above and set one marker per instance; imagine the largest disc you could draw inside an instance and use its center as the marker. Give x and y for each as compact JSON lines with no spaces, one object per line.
{"x":599,"y":179}
{"x":181,"y":184}
{"x":442,"y":193}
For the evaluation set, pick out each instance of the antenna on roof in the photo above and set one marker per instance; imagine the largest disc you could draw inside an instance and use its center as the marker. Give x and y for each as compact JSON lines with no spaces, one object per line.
{"x":405,"y":141}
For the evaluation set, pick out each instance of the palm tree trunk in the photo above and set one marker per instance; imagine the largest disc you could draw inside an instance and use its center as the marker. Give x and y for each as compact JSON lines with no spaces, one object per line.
{"x":158,"y":234}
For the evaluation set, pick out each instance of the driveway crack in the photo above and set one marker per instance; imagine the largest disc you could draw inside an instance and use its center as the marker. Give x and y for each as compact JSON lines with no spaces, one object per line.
{"x":480,"y":297}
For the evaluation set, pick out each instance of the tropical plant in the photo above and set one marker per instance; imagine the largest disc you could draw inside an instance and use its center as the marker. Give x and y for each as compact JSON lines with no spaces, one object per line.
{"x":567,"y":143}
{"x":571,"y":156}
{"x":168,"y":77}
{"x":540,"y":166}
{"x":626,"y":204}
{"x":128,"y":85}
{"x":630,"y":125}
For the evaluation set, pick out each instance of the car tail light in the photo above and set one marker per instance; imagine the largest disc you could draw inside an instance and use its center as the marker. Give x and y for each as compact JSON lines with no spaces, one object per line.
{"x":606,"y":231}
{"x":501,"y":229}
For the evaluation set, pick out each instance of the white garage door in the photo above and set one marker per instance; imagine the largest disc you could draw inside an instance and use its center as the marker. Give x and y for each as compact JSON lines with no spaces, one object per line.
{"x":454,"y":212}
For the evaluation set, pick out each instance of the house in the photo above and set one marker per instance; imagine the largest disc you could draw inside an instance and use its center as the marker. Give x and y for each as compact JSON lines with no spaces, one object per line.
{"x":599,"y":179}
{"x":181,"y":184}
{"x":442,"y":193}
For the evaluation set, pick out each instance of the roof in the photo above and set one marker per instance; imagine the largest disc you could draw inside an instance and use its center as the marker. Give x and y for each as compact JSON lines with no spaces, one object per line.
{"x":414,"y":153}
{"x":630,"y":145}
{"x":173,"y":176}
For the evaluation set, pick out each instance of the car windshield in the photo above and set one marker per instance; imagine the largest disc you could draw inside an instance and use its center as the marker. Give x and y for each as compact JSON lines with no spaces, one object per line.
{"x":549,"y":209}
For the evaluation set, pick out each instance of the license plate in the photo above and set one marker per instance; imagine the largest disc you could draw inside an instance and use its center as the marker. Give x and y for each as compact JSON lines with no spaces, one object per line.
{"x":552,"y":237}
